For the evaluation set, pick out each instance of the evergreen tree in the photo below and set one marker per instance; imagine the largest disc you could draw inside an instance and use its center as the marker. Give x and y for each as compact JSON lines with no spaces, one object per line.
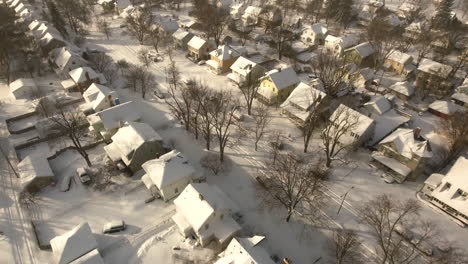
{"x":344,"y":15}
{"x":443,"y":18}
{"x":331,"y":9}
{"x":56,"y":18}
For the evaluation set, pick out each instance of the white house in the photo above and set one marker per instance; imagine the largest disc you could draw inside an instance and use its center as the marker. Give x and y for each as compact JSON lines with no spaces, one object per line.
{"x":23,"y":88}
{"x":403,"y":90}
{"x":303,"y":100}
{"x":170,"y":174}
{"x":106,"y":122}
{"x":83,"y":77}
{"x":97,"y":98}
{"x":76,"y":246}
{"x":35,"y":173}
{"x":357,"y":134}
{"x":314,"y":35}
{"x":66,"y":60}
{"x":134,"y":144}
{"x":44,"y":29}
{"x":205,"y":212}
{"x":242,"y":68}
{"x":337,"y":45}
{"x":444,"y":109}
{"x":251,"y":15}
{"x":245,"y":250}
{"x":450,"y":192}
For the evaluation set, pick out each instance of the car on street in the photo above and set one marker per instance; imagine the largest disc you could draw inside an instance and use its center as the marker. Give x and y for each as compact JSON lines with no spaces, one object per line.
{"x":114,"y":226}
{"x":83,"y":175}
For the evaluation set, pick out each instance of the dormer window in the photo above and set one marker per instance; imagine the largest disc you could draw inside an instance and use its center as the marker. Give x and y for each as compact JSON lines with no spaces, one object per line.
{"x":462,"y":193}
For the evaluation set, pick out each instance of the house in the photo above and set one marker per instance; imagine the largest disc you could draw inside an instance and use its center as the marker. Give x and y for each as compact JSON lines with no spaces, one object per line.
{"x":15,"y":3}
{"x":65,"y":60}
{"x":337,"y":45}
{"x":205,"y":212}
{"x":406,"y":9}
{"x":444,"y":109}
{"x":435,"y":75}
{"x":223,"y":57}
{"x":403,"y":154}
{"x":244,"y":68}
{"x":387,"y":120}
{"x":199,"y":48}
{"x":460,"y":97}
{"x":237,"y":10}
{"x":134,"y":144}
{"x":168,"y":175}
{"x":83,"y":77}
{"x":245,"y":250}
{"x":449,"y":192}
{"x":76,"y":246}
{"x":402,"y":90}
{"x":51,"y":41}
{"x":28,"y":15}
{"x":106,"y":122}
{"x":97,"y":98}
{"x":251,"y":16}
{"x":35,"y":173}
{"x":304,"y":100}
{"x":277,"y":84}
{"x":21,"y":7}
{"x":400,"y":62}
{"x":362,"y":55}
{"x":181,"y":38}
{"x":414,"y":30}
{"x":23,"y":88}
{"x":358,"y":134}
{"x":166,"y":23}
{"x":314,"y":35}
{"x":35,"y":24}
{"x":363,"y":77}
{"x":43,"y":29}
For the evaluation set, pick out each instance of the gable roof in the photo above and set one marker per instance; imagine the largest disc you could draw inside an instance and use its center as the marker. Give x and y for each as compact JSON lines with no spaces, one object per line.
{"x":305,"y":95}
{"x":78,"y":75}
{"x":33,"y":167}
{"x":73,"y":244}
{"x":225,"y":52}
{"x":405,"y":143}
{"x":445,"y":107}
{"x":405,"y":88}
{"x":364,"y":49}
{"x":435,"y":68}
{"x":22,"y":82}
{"x":243,"y":66}
{"x":93,"y":91}
{"x":196,"y":42}
{"x":132,"y":136}
{"x":363,"y":121}
{"x":182,"y":35}
{"x":378,"y":104}
{"x":92,"y":257}
{"x":168,"y":169}
{"x":319,"y":28}
{"x":400,"y":57}
{"x":114,"y":116}
{"x":244,"y":251}
{"x":64,"y":55}
{"x":198,"y":201}
{"x":283,"y":78}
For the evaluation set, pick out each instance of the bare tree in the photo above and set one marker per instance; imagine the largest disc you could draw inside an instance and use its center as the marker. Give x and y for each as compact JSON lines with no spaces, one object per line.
{"x":158,"y":37}
{"x":262,"y":117}
{"x":341,"y":123}
{"x":76,"y":12}
{"x":423,"y":42}
{"x":131,"y":76}
{"x":294,"y":185}
{"x":344,"y":247}
{"x":283,"y":33}
{"x":460,"y":63}
{"x":139,"y":23}
{"x":144,"y":57}
{"x":44,"y":105}
{"x":400,"y":234}
{"x":104,"y":27}
{"x":122,"y":65}
{"x":204,"y":100}
{"x":211,"y":162}
{"x":222,"y":109}
{"x":455,"y":129}
{"x":213,"y":24}
{"x":147,"y":80}
{"x":332,"y":72}
{"x":73,"y":125}
{"x":313,"y":119}
{"x":100,"y":61}
{"x":249,"y":88}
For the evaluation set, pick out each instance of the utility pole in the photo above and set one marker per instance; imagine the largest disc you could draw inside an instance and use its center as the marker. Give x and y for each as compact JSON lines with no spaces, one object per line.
{"x":344,"y":197}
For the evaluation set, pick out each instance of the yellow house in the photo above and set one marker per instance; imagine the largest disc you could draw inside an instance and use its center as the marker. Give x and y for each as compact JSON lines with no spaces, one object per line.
{"x":277,"y":85}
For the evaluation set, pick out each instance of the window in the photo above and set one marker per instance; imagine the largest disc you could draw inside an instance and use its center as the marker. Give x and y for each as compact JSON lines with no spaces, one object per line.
{"x":176,"y":190}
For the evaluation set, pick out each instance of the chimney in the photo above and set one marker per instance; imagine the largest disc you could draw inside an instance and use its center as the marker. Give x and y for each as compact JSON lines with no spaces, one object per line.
{"x":279,"y":70}
{"x":416,"y":132}
{"x":201,"y":197}
{"x":87,"y":76}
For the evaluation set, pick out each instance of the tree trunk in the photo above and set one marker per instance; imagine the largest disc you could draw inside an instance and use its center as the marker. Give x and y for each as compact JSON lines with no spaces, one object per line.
{"x":289,"y":215}
{"x":329,"y":161}
{"x":256,"y":145}
{"x":221,"y":154}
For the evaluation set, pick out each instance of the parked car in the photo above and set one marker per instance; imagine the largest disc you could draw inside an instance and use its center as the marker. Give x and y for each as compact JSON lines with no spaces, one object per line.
{"x":83,"y":175}
{"x":65,"y":184}
{"x":114,"y":226}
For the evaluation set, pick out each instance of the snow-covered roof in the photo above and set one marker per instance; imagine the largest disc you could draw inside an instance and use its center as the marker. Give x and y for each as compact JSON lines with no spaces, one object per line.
{"x":400,"y":57}
{"x":460,"y":97}
{"x":196,"y":42}
{"x":299,"y":46}
{"x":393,"y":164}
{"x":364,"y":49}
{"x":168,"y":169}
{"x":73,"y":244}
{"x":385,"y":124}
{"x":252,"y":11}
{"x":306,"y":57}
{"x":404,"y":142}
{"x":445,"y":107}
{"x":243,"y":66}
{"x":49,"y":36}
{"x":130,"y":137}
{"x":182,"y":34}
{"x":92,"y":257}
{"x":378,"y":104}
{"x":405,"y":88}
{"x":283,"y":78}
{"x":35,"y":24}
{"x":168,"y":24}
{"x":225,"y":52}
{"x":198,"y":201}
{"x":435,"y":68}
{"x":434,"y":180}
{"x":43,"y":29}
{"x":319,"y":28}
{"x":305,"y":95}
{"x":408,"y":7}
{"x":454,"y":182}
{"x":366,"y":73}
{"x":94,"y":90}
{"x":79,"y":74}
{"x":32,"y":167}
{"x":363,"y":122}
{"x":23,"y":83}
{"x":64,"y":55}
{"x":244,"y":251}
{"x":114,"y":116}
